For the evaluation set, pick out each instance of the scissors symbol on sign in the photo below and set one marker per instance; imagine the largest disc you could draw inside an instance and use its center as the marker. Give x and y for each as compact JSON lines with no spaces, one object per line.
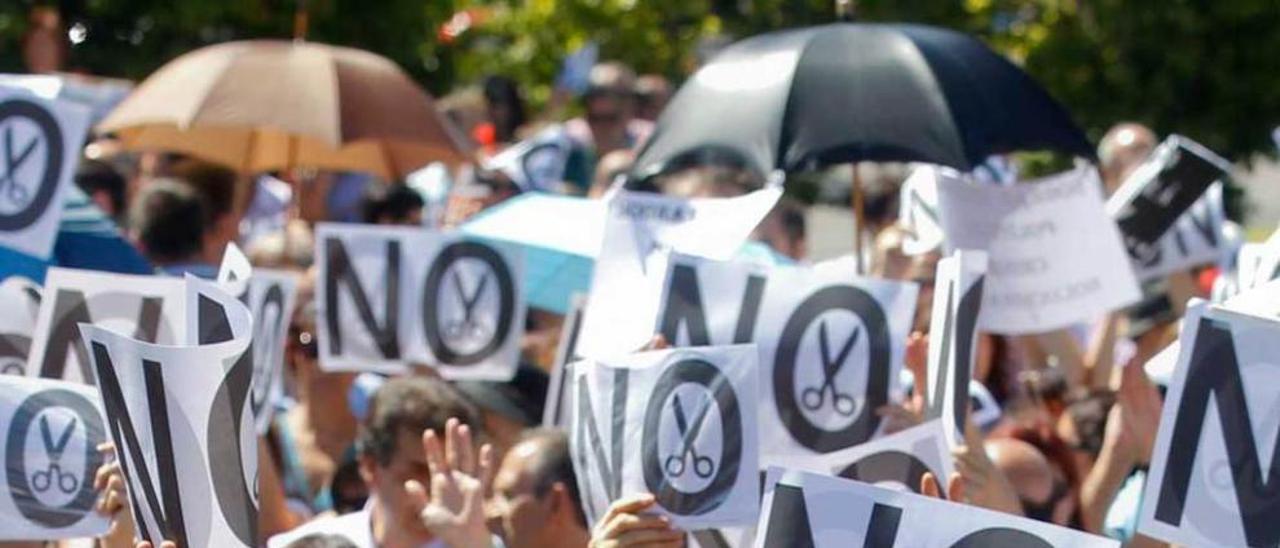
{"x":675,"y":464}
{"x":468,"y":325}
{"x":814,"y":398}
{"x":45,"y":480}
{"x":13,"y":190}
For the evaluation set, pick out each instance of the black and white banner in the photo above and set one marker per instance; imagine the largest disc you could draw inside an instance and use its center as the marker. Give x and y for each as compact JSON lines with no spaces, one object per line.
{"x":148,"y":308}
{"x":805,"y":510}
{"x":183,"y":425}
{"x":1199,"y":237}
{"x":678,"y":423}
{"x":953,"y":341}
{"x":392,"y":297}
{"x":20,"y":301}
{"x":1214,"y":474}
{"x":40,"y":144}
{"x":896,"y":461}
{"x":639,"y":229}
{"x":918,"y":208}
{"x":1157,"y":193}
{"x":558,"y":407}
{"x":831,"y":343}
{"x":537,"y":163}
{"x":49,"y":434}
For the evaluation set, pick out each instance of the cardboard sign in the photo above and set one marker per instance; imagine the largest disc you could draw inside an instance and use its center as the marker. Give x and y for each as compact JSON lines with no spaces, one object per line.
{"x":639,"y":228}
{"x":953,"y":346}
{"x":1213,"y":471}
{"x":40,"y":143}
{"x":1158,"y":192}
{"x":897,"y":461}
{"x":183,"y":426}
{"x":918,"y":208}
{"x":149,"y":308}
{"x":1055,"y":258}
{"x":536,"y":163}
{"x":1198,"y":237}
{"x":680,"y":424}
{"x":391,"y":297}
{"x":49,"y":434}
{"x":20,"y":299}
{"x":558,"y":407}
{"x":802,"y":509}
{"x":831,"y":343}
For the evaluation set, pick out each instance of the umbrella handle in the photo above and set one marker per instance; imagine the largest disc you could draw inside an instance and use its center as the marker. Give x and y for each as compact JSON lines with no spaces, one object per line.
{"x":859,"y":218}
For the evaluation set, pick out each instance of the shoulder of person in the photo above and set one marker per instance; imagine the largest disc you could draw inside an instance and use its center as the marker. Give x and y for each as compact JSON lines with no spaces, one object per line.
{"x":354,"y":527}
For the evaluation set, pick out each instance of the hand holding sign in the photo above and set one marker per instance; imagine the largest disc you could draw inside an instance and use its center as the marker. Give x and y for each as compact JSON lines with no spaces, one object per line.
{"x":625,"y":525}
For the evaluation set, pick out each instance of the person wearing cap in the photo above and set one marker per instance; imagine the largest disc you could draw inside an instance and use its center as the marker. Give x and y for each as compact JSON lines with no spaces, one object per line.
{"x":508,"y":408}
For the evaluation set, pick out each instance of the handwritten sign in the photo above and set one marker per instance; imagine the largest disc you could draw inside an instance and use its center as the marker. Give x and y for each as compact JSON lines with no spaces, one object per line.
{"x":1055,"y":257}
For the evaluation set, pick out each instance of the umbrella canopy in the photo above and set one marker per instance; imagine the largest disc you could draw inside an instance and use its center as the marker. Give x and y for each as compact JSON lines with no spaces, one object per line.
{"x":264,"y":105}
{"x":847,"y":92}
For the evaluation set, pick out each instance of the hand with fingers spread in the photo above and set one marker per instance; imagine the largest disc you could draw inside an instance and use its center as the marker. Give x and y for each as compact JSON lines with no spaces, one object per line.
{"x":977,"y":480}
{"x":1133,"y":421}
{"x":624,"y":525}
{"x":112,"y":502}
{"x":454,"y":511}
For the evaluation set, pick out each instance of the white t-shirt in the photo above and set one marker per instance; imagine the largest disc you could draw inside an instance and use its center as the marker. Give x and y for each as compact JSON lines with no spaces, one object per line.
{"x":356,"y":527}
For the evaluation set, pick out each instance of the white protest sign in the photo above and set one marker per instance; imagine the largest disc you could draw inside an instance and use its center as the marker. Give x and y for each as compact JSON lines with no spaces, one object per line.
{"x":1198,"y":237}
{"x":40,"y":143}
{"x":391,"y":297}
{"x":812,"y":510}
{"x":918,"y":208}
{"x":638,"y":228}
{"x":896,"y":461}
{"x":831,"y":343}
{"x":182,"y":423}
{"x":1214,"y":469}
{"x":20,"y":299}
{"x":558,"y":407}
{"x":678,"y":423}
{"x":953,"y":344}
{"x":536,"y":163}
{"x":150,"y":308}
{"x":1055,"y":257}
{"x":270,"y":298}
{"x":49,"y":436}
{"x":234,"y":271}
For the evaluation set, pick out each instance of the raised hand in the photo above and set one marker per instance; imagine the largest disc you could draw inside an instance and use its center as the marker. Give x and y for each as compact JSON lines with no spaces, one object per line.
{"x":454,"y":511}
{"x":980,"y":482}
{"x":1133,"y":421}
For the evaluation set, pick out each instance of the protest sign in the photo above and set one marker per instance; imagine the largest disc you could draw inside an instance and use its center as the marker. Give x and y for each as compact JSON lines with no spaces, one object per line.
{"x":182,"y":423}
{"x":802,"y":509}
{"x":898,"y":460}
{"x":20,"y":301}
{"x":1213,"y":469}
{"x":1054,"y":257}
{"x":983,"y":407}
{"x":1157,"y":193}
{"x":270,"y":298}
{"x":638,"y":229}
{"x":234,"y":271}
{"x":555,"y":413}
{"x":41,"y":143}
{"x":953,"y":344}
{"x":1198,"y":237}
{"x":830,"y":342}
{"x":392,"y":297}
{"x":537,"y":163}
{"x":918,"y":208}
{"x":49,"y":436}
{"x":150,"y":308}
{"x":678,"y":423}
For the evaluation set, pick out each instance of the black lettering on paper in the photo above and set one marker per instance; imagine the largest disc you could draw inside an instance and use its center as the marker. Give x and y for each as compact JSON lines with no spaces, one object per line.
{"x":496,"y":268}
{"x":24,"y":483}
{"x":340,"y":273}
{"x":70,"y":308}
{"x":684,"y":307}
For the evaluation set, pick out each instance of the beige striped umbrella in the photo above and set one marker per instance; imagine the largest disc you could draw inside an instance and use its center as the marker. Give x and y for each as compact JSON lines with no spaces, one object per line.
{"x":271,"y":104}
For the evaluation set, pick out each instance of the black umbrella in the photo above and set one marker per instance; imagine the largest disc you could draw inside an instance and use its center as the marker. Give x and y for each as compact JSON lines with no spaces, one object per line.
{"x":849,"y":92}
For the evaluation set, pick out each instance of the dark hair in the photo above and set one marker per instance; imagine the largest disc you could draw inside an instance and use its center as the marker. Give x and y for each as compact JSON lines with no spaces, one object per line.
{"x":321,"y":540}
{"x":169,"y":219}
{"x":396,"y":201}
{"x":215,"y":183}
{"x":97,"y":176}
{"x":410,"y":404}
{"x":503,"y":90}
{"x":1088,"y":412}
{"x":553,"y":464}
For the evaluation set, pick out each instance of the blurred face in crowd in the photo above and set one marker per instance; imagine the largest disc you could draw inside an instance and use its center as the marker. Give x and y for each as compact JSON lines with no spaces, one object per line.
{"x":386,"y":481}
{"x":1122,"y":150}
{"x":524,"y":517}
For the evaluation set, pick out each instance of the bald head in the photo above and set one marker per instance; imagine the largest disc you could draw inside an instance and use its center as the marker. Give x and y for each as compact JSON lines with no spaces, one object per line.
{"x":1122,"y":149}
{"x":1025,"y":467}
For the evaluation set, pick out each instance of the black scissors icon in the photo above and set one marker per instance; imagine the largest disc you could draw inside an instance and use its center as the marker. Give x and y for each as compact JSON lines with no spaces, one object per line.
{"x":14,"y":191}
{"x":703,"y":466}
{"x":813,"y":398}
{"x":468,"y":326}
{"x":54,"y":476}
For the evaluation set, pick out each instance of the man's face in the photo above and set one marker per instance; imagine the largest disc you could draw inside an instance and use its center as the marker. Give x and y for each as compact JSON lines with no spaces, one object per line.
{"x":516,"y":511}
{"x":408,"y":462}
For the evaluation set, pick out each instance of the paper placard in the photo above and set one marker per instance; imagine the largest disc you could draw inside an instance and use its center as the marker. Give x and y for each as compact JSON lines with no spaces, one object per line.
{"x":40,"y":143}
{"x":49,"y":436}
{"x":1037,"y":236}
{"x":392,"y":297}
{"x":182,"y":423}
{"x":896,"y":461}
{"x":918,"y":208}
{"x":1198,"y":237}
{"x":953,"y":344}
{"x":678,"y":423}
{"x":805,"y":509}
{"x":149,"y":308}
{"x":638,"y":229}
{"x":20,"y":299}
{"x":1212,"y":470}
{"x":558,"y":407}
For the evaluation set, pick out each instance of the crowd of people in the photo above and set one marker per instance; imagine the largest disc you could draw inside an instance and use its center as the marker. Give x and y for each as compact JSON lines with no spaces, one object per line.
{"x":365,"y":460}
